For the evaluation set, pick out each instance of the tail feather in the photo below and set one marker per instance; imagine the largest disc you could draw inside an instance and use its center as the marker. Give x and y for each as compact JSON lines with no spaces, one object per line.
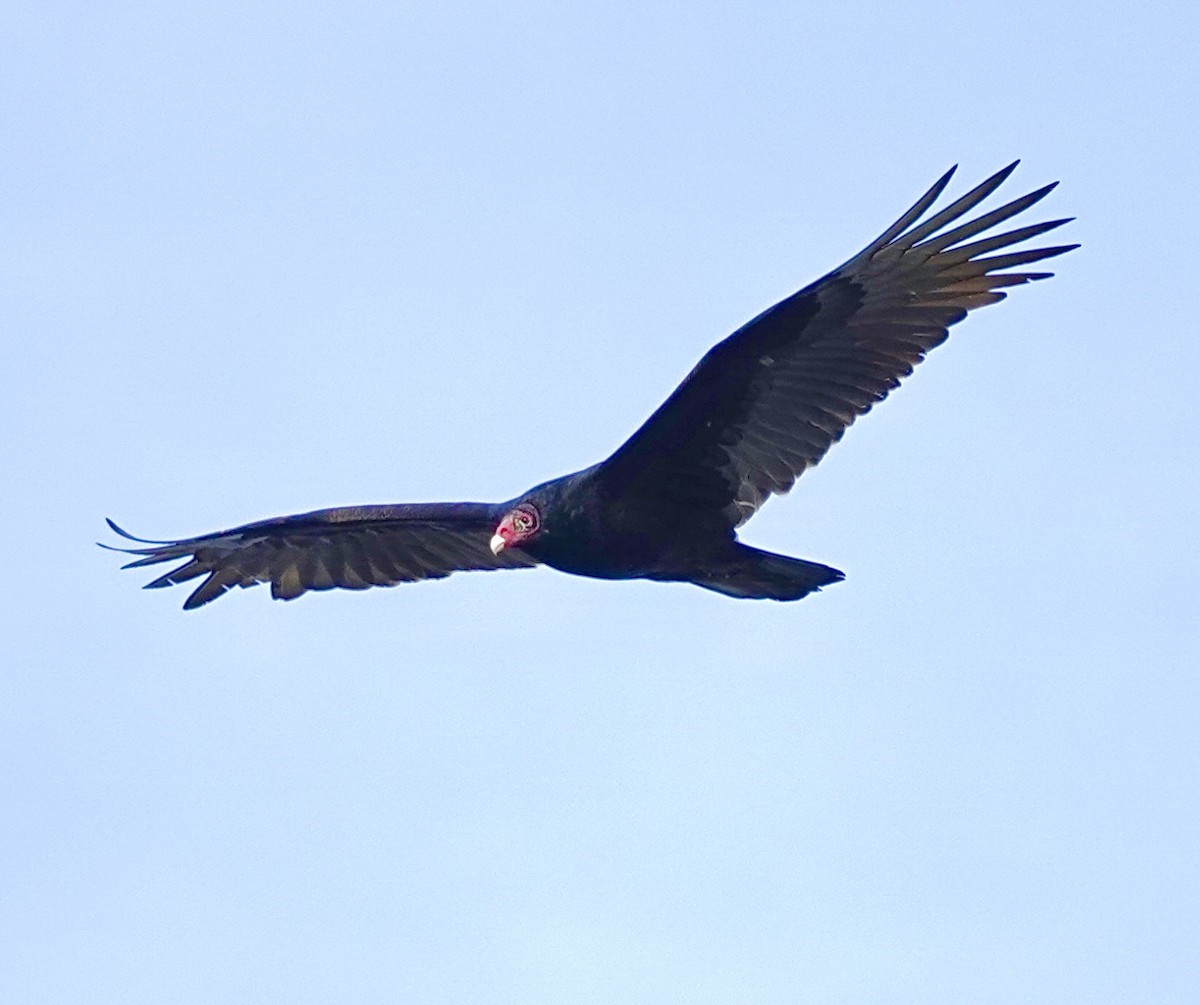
{"x":763,"y":575}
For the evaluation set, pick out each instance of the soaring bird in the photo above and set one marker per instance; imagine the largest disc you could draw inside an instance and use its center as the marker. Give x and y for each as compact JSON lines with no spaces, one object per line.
{"x":756,"y":412}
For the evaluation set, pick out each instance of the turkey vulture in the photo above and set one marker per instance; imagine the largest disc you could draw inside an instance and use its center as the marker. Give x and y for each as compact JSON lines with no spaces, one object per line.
{"x":759,"y":409}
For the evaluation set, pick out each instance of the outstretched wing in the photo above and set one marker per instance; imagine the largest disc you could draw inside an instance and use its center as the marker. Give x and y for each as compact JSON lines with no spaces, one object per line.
{"x":351,"y":548}
{"x":768,"y":402}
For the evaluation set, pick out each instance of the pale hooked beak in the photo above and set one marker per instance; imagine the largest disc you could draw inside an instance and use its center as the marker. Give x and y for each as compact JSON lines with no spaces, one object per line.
{"x":497,"y":544}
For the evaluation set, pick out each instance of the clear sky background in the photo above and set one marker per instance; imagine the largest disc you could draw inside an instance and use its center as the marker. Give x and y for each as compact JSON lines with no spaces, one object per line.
{"x":259,"y":261}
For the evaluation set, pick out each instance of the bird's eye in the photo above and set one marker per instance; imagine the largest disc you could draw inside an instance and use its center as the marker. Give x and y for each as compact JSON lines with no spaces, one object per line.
{"x":524,"y":520}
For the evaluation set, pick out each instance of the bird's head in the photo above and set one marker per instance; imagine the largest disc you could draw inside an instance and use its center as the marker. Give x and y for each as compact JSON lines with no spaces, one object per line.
{"x":518,"y":525}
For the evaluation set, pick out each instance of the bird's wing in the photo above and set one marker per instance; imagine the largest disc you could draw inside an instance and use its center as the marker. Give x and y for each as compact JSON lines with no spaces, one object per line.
{"x":351,"y":548}
{"x":768,"y":401}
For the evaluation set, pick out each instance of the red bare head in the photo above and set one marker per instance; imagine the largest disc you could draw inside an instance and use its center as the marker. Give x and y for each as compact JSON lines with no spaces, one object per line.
{"x":519,"y":524}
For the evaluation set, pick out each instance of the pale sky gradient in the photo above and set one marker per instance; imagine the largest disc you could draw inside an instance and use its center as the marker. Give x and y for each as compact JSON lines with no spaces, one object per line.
{"x":259,"y":260}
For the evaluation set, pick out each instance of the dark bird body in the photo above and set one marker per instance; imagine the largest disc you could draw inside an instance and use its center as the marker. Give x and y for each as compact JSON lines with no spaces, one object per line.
{"x":759,"y":409}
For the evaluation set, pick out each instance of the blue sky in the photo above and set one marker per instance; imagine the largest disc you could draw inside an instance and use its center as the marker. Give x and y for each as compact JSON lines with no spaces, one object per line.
{"x":262,"y":261}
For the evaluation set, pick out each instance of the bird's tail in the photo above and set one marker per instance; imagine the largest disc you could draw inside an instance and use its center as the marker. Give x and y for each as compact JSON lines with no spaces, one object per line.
{"x":763,"y":575}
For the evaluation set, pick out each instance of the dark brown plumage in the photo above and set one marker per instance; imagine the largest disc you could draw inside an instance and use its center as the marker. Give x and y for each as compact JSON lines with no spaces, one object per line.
{"x":758,"y":410}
